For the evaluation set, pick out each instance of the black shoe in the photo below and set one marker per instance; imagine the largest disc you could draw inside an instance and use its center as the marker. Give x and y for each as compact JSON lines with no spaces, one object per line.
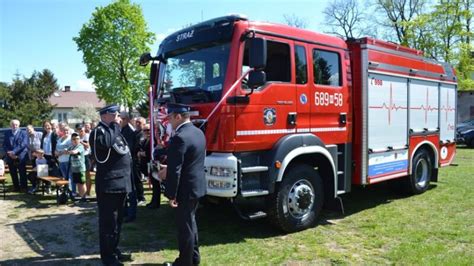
{"x":124,"y":257}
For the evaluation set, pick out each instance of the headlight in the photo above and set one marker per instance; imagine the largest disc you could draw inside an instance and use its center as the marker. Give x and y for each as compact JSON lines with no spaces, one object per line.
{"x":221,"y":171}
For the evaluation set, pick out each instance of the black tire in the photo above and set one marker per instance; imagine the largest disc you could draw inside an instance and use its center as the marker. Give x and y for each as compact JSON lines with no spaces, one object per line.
{"x":301,"y":187}
{"x":421,"y":173}
{"x":471,"y":143}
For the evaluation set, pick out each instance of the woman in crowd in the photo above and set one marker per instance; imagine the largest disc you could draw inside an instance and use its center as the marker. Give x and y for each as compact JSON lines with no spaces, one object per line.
{"x":62,"y":146}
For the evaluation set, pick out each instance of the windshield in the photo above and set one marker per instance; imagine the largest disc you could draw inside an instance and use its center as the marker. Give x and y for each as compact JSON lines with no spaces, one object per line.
{"x":196,"y":76}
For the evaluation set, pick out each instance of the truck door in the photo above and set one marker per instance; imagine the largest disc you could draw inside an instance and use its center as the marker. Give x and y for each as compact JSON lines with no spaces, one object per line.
{"x":303,"y":92}
{"x":264,"y":120}
{"x":329,"y":96}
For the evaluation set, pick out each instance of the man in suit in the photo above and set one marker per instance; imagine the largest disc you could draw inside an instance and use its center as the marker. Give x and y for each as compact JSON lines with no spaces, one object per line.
{"x":185,"y":180}
{"x":128,"y":132}
{"x":112,"y":155}
{"x":139,"y":139}
{"x":15,"y":145}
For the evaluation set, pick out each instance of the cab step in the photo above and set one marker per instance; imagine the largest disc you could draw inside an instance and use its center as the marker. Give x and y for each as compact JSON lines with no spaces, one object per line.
{"x":249,"y":216}
{"x":254,"y":193}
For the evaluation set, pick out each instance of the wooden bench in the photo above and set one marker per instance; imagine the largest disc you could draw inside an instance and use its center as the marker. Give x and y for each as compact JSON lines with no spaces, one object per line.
{"x":58,"y":182}
{"x":47,"y":179}
{"x":3,"y":180}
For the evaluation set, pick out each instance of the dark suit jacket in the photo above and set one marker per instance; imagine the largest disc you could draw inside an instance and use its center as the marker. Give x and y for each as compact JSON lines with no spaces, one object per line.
{"x":17,"y":143}
{"x":113,"y":168}
{"x":185,"y":177}
{"x":129,"y":135}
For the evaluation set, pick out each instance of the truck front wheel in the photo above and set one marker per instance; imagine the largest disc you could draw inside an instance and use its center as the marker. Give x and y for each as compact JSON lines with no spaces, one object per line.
{"x":298,"y":199}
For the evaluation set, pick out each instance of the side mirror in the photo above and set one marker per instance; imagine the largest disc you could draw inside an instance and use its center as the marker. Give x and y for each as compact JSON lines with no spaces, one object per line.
{"x":257,"y":53}
{"x":145,"y":58}
{"x":256,"y":79}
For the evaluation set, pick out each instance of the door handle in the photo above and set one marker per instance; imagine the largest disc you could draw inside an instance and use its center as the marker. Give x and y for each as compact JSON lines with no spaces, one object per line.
{"x":291,"y":119}
{"x":342,"y":118}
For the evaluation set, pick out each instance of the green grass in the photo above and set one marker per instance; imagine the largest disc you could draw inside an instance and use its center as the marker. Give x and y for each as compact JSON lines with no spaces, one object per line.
{"x":380,"y":226}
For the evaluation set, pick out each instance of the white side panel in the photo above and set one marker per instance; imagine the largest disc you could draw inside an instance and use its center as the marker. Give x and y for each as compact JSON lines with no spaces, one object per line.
{"x":447,"y":114}
{"x":387,"y":116}
{"x":423,"y":105}
{"x":389,"y":162}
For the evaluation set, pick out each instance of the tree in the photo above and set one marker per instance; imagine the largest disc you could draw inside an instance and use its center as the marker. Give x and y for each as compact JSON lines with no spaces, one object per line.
{"x":111,"y":42}
{"x":443,"y":34}
{"x":465,"y":67}
{"x":398,"y":14}
{"x":5,"y":102}
{"x":344,"y":17}
{"x":295,"y":21}
{"x":27,"y":99}
{"x":85,"y":112}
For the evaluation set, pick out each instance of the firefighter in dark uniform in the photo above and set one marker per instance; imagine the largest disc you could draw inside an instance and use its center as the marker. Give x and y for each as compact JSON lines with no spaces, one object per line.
{"x":185,"y":180}
{"x":112,"y":183}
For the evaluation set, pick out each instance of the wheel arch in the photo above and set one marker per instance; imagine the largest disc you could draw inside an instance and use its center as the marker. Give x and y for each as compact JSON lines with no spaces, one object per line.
{"x":430,"y":148}
{"x":316,"y":157}
{"x":303,"y":148}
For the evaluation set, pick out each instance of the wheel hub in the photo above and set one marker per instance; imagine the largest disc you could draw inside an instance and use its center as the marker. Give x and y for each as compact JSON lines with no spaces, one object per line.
{"x":301,"y":198}
{"x":421,"y":173}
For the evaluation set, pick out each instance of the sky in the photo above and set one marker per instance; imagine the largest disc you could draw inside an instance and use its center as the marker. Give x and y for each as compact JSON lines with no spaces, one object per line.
{"x":37,"y":34}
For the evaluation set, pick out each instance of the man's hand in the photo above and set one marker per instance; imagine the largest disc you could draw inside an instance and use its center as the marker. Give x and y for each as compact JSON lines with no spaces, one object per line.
{"x":173,"y":203}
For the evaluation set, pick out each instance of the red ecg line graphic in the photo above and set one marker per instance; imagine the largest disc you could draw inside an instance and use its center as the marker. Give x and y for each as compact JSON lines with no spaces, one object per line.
{"x":391,"y":106}
{"x":448,"y":108}
{"x":428,"y":107}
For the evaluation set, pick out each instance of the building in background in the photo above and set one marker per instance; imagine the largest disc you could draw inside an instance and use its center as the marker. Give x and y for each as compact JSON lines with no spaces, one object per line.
{"x":66,"y":100}
{"x":465,"y":105}
{"x":465,"y":102}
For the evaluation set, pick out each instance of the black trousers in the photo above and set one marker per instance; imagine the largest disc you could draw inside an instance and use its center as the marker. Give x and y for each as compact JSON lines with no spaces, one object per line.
{"x":187,"y":233}
{"x":14,"y":169}
{"x":137,"y":180}
{"x":111,"y":207}
{"x":32,"y":176}
{"x":156,"y":196}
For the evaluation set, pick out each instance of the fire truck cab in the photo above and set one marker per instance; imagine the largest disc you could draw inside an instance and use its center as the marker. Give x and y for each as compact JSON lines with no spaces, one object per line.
{"x":293,"y":118}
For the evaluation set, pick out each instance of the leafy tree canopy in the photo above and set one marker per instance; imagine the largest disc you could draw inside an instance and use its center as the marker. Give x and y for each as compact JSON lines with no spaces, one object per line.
{"x":27,"y":98}
{"x":111,"y":42}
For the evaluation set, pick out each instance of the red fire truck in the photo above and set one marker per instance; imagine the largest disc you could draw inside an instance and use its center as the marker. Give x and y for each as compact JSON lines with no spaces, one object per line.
{"x":294,"y":118}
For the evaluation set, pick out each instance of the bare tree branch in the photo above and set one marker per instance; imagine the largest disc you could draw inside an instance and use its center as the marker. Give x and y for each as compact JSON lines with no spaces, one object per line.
{"x":344,"y":16}
{"x":295,"y":21}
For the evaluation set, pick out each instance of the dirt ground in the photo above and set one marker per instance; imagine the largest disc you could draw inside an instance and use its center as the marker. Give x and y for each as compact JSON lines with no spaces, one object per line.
{"x":34,"y":230}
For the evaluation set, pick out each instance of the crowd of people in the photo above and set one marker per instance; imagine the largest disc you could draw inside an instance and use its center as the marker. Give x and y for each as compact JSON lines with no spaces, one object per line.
{"x":66,"y":152}
{"x":118,"y":149}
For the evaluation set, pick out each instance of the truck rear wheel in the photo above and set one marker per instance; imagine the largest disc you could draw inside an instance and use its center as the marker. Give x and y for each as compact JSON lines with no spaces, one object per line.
{"x":422,"y":170}
{"x":298,"y":199}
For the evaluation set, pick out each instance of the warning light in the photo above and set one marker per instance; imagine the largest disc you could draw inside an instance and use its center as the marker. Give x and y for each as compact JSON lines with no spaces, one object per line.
{"x":278,"y":164}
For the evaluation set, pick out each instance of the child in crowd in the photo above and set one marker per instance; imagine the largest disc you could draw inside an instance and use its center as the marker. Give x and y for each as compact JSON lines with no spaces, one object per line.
{"x":78,"y":165}
{"x":33,"y":176}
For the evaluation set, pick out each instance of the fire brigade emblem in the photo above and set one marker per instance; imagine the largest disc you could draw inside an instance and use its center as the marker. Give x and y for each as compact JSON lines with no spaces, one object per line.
{"x":269,"y":116}
{"x":444,"y":153}
{"x":303,"y":99}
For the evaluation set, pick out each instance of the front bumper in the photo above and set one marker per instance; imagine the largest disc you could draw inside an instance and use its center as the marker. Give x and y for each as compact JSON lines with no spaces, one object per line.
{"x":217,"y":185}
